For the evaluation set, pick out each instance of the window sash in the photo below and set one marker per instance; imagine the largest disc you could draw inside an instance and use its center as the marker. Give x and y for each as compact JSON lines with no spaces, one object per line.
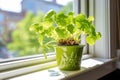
{"x":26,"y":61}
{"x":77,"y":9}
{"x":37,"y":60}
{"x":103,"y":53}
{"x":25,"y":70}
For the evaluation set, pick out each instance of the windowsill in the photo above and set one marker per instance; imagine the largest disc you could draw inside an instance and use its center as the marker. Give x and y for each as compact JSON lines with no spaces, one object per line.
{"x":56,"y":74}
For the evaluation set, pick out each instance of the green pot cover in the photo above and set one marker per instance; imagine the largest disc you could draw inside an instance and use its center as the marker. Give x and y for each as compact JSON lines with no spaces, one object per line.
{"x":69,"y":57}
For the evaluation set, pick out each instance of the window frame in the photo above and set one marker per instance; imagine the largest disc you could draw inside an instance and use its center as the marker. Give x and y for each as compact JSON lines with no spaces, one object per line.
{"x":98,"y":49}
{"x":11,"y":64}
{"x":37,"y":60}
{"x":92,"y":49}
{"x":106,"y":47}
{"x":76,"y":9}
{"x":102,"y":23}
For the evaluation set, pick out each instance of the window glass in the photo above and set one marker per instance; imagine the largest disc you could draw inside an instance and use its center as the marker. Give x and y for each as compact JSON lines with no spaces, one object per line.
{"x":1,"y":17}
{"x":16,"y":16}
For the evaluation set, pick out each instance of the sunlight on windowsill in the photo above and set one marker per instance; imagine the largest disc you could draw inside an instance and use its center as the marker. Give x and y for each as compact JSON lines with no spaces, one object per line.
{"x":56,"y":74}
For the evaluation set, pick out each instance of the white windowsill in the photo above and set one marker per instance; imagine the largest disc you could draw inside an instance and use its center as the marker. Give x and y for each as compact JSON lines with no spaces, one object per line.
{"x":56,"y":74}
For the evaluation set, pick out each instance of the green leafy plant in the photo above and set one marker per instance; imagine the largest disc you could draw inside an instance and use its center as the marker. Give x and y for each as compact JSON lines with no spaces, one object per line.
{"x":64,"y":29}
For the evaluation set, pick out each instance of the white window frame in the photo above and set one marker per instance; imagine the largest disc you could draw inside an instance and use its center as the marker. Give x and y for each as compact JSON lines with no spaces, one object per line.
{"x":36,"y":57}
{"x":102,"y":22}
{"x":37,"y":60}
{"x":99,"y":49}
{"x":100,"y":9}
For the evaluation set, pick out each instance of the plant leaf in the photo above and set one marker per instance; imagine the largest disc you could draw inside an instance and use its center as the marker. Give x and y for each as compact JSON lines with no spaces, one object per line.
{"x":36,"y":28}
{"x":80,"y":17}
{"x":70,"y":19}
{"x":49,"y":32}
{"x":62,"y":33}
{"x":91,"y":18}
{"x":70,"y":28}
{"x":61,"y":19}
{"x":49,"y":14}
{"x":98,"y":35}
{"x":90,"y":40}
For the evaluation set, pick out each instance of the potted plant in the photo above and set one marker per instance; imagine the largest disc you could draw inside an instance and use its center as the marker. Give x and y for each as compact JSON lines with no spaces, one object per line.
{"x":62,"y":31}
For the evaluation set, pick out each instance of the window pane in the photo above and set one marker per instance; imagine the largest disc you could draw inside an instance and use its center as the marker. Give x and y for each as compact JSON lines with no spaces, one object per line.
{"x":16,"y":16}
